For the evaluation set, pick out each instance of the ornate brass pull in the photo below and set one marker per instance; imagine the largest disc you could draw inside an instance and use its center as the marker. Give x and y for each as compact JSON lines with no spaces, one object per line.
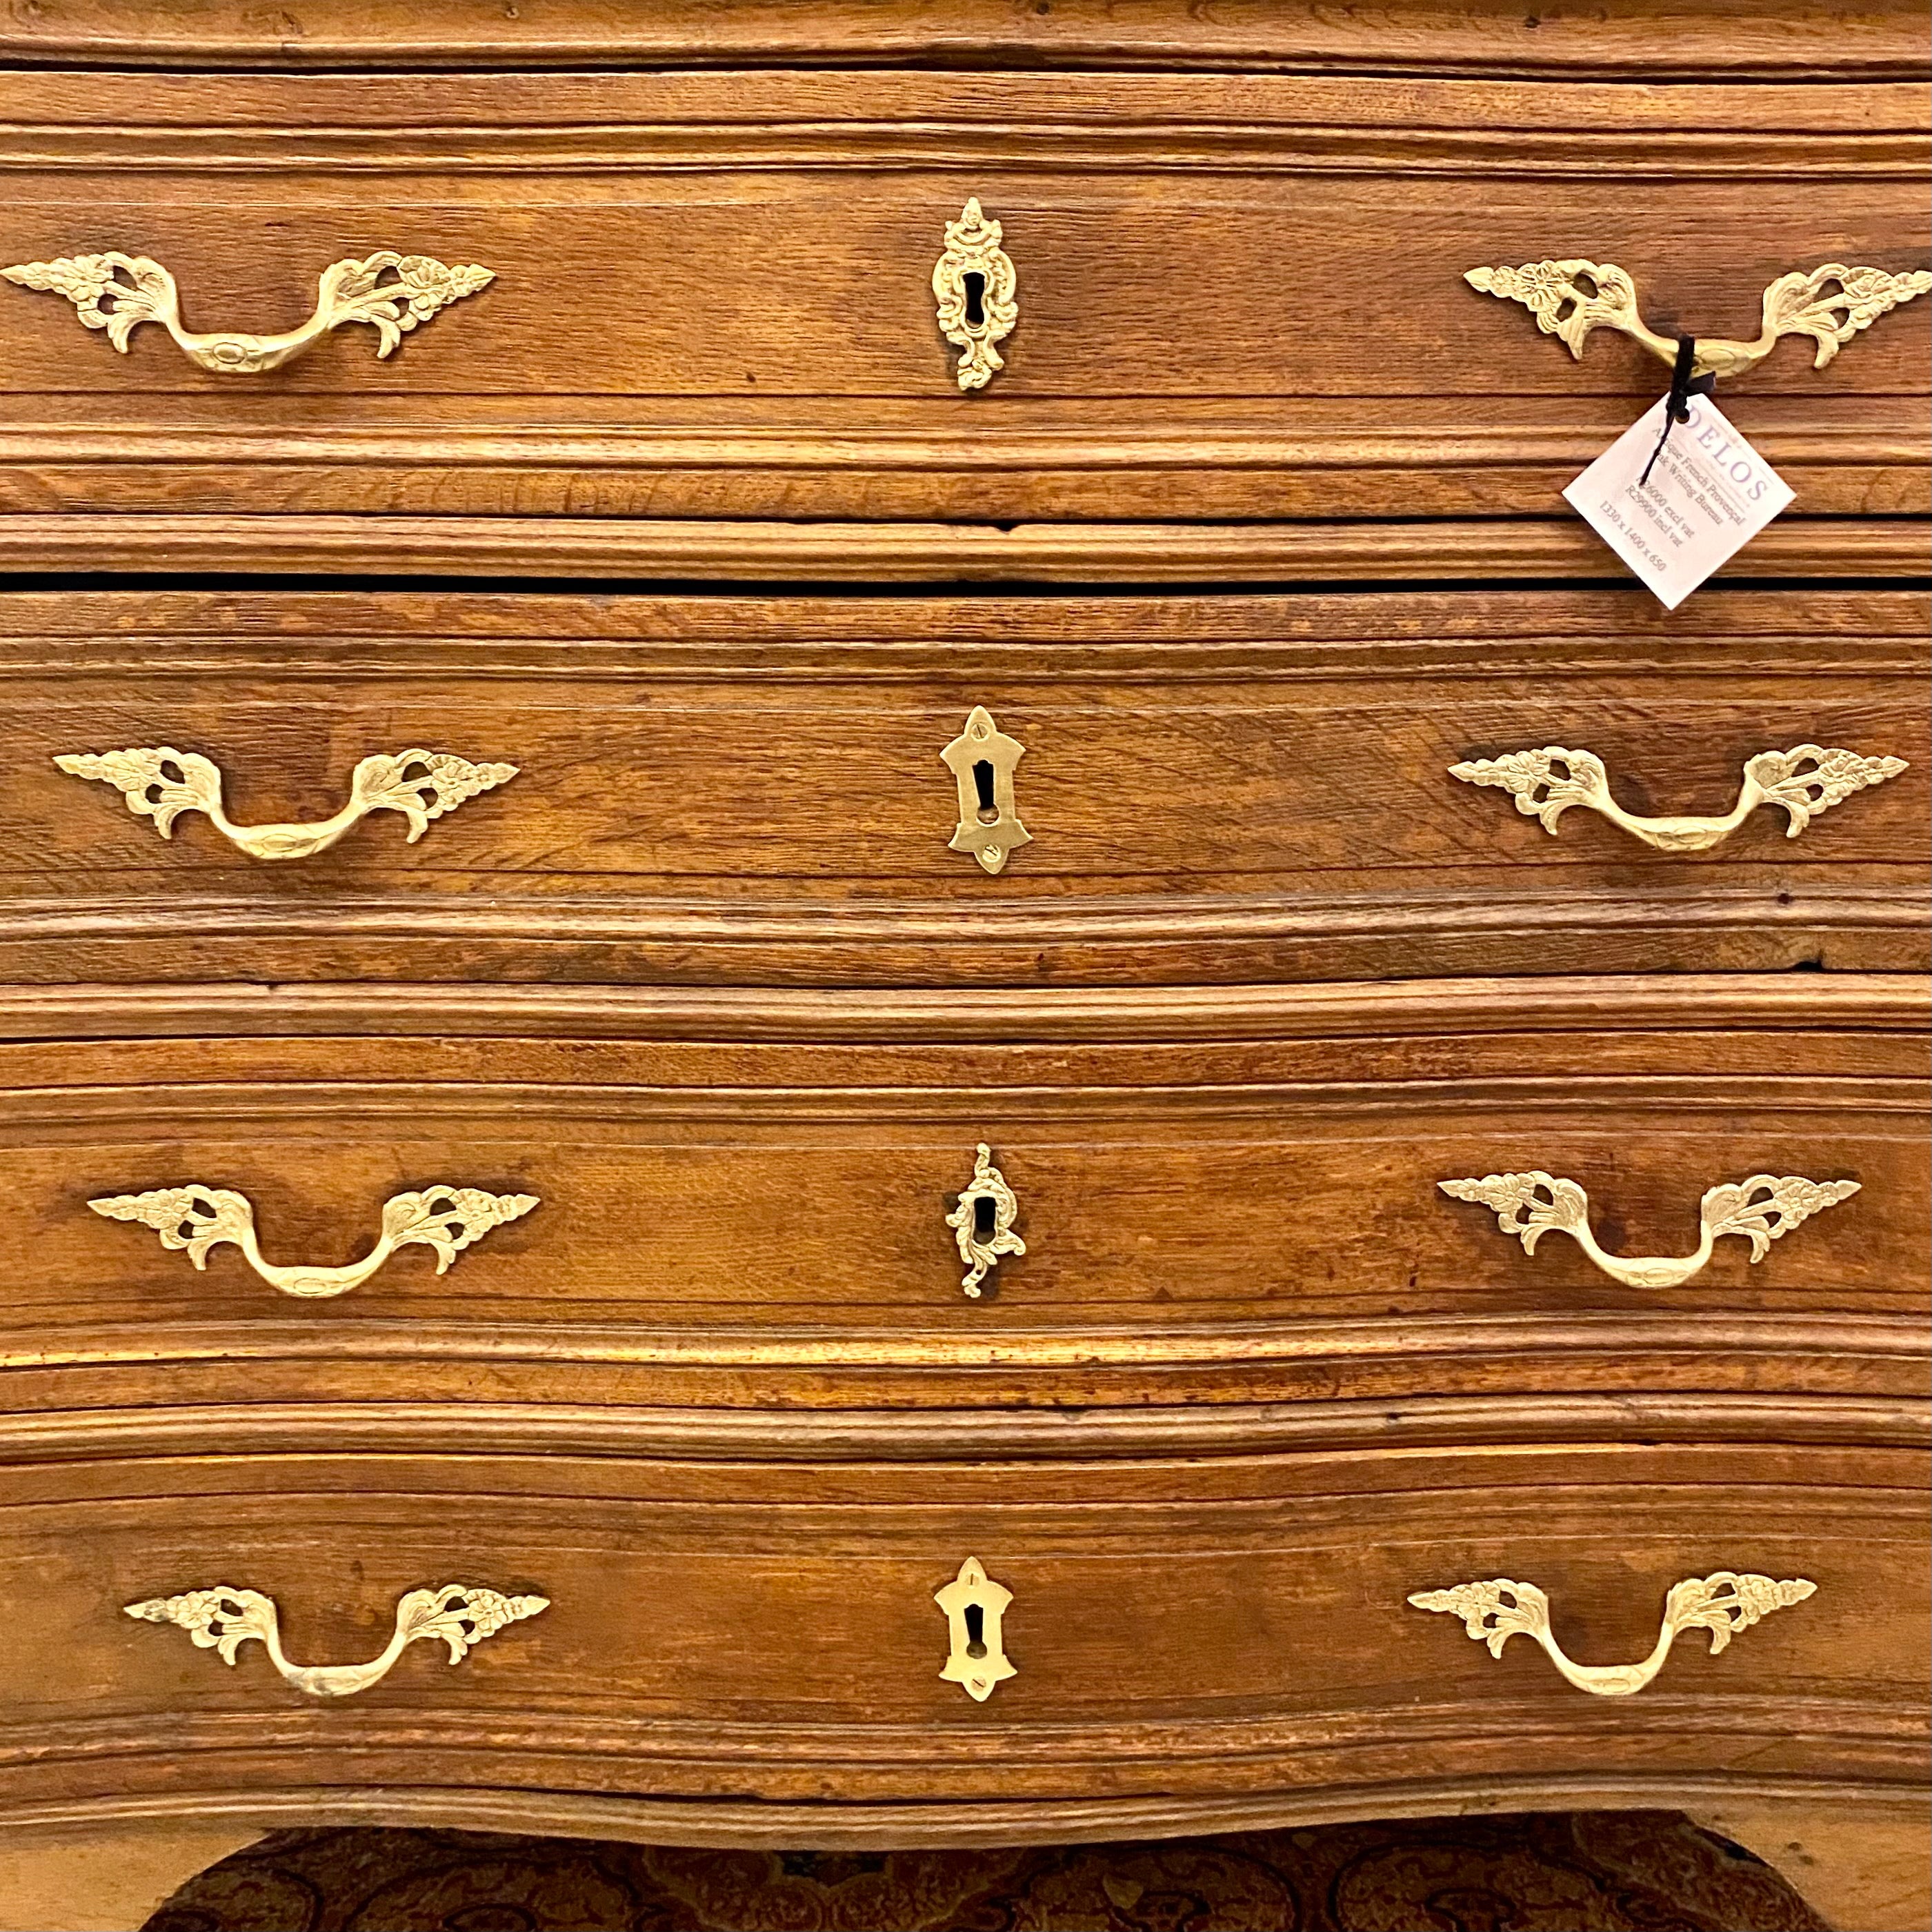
{"x":1804,"y":781}
{"x":975,"y":283}
{"x":222,"y":1618}
{"x":161,"y":783}
{"x":982,"y":1223}
{"x":981,"y":759}
{"x":1530,"y":1205}
{"x":1569,"y":299}
{"x":196,"y":1218}
{"x":118,"y":292}
{"x":974,"y":1605}
{"x":1722,"y":1603}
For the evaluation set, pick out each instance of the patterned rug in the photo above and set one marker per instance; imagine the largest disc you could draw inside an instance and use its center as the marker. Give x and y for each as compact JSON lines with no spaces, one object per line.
{"x":1609,"y":1871}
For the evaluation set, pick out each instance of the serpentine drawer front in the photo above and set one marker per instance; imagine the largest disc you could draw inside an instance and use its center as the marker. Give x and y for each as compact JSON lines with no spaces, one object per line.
{"x":958,"y":790}
{"x":970,"y":1188}
{"x":1239,"y":1176}
{"x":1245,"y":1616}
{"x":743,"y":297}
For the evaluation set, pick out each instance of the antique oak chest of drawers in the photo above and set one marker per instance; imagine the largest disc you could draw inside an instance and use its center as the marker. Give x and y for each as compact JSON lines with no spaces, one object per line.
{"x":857,"y":989}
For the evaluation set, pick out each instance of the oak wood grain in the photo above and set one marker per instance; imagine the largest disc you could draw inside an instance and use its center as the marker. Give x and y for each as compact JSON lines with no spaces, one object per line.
{"x":727,"y":1630}
{"x":774,"y":356}
{"x":275,"y":1804}
{"x":1399,"y":1051}
{"x":1260,"y":1213}
{"x":706,"y":979}
{"x":617,"y":548}
{"x":1527,"y":1360}
{"x":749,"y":789}
{"x":1713,"y":38}
{"x":380,"y":1433}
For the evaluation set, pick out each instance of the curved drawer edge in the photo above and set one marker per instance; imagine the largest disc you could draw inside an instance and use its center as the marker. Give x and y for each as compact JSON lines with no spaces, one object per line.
{"x":748,"y":1823}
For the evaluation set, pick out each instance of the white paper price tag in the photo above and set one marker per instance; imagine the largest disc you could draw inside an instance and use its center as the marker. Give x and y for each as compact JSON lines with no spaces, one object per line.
{"x":1708,"y":495}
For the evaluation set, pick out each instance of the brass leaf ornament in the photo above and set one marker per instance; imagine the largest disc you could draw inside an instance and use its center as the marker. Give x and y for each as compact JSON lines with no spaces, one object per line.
{"x":160,"y":783}
{"x":391,"y":292}
{"x":222,"y":1618}
{"x":1830,"y":304}
{"x":1723,"y":1603}
{"x":1802,"y":782}
{"x":194,"y":1218}
{"x":1760,"y":1210}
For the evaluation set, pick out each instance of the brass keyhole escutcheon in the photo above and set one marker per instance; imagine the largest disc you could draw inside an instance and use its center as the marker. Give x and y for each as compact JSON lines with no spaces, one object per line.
{"x":982,"y":1223}
{"x":985,"y":805}
{"x":981,"y":759}
{"x":975,"y":285}
{"x":975,"y":1605}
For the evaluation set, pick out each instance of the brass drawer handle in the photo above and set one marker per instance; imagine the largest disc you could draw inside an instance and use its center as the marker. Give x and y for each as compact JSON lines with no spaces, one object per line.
{"x":981,"y":760}
{"x":1722,"y":1603}
{"x":1531,"y":1205}
{"x":976,"y":285}
{"x":982,"y":1223}
{"x":1569,"y":299}
{"x":196,"y":1218}
{"x":118,"y":292}
{"x":222,"y":1618}
{"x":974,"y":1605}
{"x":1804,"y":781}
{"x":161,"y":783}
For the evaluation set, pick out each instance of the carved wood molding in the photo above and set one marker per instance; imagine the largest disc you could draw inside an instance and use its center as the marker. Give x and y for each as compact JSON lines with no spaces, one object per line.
{"x":1378,"y":1009}
{"x":1350,"y":1741}
{"x":1877,"y":1347}
{"x":1875,"y":923}
{"x":622,"y":434}
{"x":1801,"y":41}
{"x":637,"y":547}
{"x":1311,"y":461}
{"x":1868,"y":157}
{"x":765,"y":1824}
{"x":1556,"y":637}
{"x":1568,"y":631}
{"x":1274,"y":1113}
{"x":1463,"y":1426}
{"x":1264,"y":123}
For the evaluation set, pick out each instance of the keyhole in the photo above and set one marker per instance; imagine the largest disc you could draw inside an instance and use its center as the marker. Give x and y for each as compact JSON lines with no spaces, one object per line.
{"x":976,"y":298}
{"x":984,"y":1220}
{"x":975,"y":1630}
{"x":982,"y":785}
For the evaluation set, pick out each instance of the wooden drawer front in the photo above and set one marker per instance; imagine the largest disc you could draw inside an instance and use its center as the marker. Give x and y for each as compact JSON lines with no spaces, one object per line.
{"x":1215,"y":1628}
{"x":1178,"y":1195}
{"x":738,"y":789}
{"x":1240,"y":296}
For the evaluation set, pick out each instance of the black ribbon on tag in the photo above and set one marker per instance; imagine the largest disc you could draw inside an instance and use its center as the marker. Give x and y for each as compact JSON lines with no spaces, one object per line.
{"x":1677,"y":405}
